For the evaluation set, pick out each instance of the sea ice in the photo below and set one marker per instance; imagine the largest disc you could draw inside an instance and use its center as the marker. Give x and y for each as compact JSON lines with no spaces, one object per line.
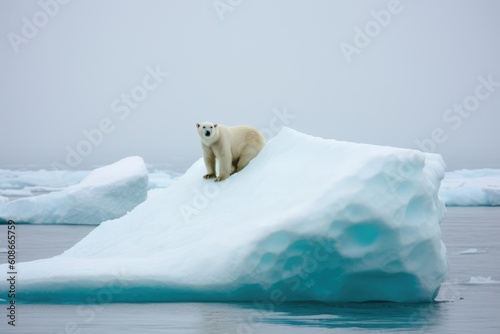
{"x":3,"y":200}
{"x":106,"y":193}
{"x":24,"y":192}
{"x":482,"y":280}
{"x":479,"y":187}
{"x":307,"y":219}
{"x":472,"y":251}
{"x":22,"y":183}
{"x":161,"y":179}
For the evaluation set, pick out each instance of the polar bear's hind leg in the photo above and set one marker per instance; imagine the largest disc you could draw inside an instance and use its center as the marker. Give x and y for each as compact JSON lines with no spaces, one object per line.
{"x":245,"y":158}
{"x":234,"y":166}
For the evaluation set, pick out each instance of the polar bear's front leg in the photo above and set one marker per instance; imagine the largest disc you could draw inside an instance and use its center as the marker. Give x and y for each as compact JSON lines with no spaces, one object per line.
{"x":225,"y":164}
{"x":209,"y":158}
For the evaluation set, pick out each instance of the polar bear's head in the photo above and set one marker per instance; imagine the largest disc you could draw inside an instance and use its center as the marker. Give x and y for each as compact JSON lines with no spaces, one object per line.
{"x":208,"y":132}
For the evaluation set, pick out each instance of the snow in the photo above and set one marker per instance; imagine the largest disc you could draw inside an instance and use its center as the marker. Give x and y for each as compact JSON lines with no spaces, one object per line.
{"x":482,"y":280}
{"x":307,"y":219}
{"x":479,"y":187}
{"x":106,"y":193}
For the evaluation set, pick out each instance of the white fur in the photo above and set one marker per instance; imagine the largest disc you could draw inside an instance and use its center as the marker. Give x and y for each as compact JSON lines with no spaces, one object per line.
{"x":232,"y":146}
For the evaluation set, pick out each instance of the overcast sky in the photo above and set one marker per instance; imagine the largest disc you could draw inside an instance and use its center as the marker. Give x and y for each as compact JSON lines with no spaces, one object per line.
{"x":86,"y":83}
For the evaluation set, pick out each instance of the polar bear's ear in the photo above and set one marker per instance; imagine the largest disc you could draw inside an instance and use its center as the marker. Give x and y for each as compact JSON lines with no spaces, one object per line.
{"x":197,"y":125}
{"x":215,"y":125}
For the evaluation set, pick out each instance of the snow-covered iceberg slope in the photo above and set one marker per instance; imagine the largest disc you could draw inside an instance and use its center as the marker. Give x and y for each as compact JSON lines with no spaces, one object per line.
{"x":308,"y":219}
{"x":479,"y":187}
{"x":106,"y":193}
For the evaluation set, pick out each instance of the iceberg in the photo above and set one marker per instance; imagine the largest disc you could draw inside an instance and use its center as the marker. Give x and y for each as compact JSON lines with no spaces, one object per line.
{"x":26,"y":183}
{"x":478,"y":187}
{"x":106,"y":193}
{"x":309,"y":219}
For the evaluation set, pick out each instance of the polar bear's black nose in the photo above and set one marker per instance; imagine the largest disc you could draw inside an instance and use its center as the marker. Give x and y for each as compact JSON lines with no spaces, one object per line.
{"x":207,"y":133}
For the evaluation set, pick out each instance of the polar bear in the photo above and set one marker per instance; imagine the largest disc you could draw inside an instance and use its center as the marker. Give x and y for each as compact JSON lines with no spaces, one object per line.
{"x":232,"y":146}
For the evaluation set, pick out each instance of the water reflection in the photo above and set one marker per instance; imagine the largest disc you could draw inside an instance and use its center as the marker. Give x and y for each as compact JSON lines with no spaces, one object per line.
{"x":375,"y":315}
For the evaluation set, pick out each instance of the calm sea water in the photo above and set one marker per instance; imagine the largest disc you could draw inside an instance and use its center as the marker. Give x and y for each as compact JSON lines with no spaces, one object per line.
{"x":462,"y":307}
